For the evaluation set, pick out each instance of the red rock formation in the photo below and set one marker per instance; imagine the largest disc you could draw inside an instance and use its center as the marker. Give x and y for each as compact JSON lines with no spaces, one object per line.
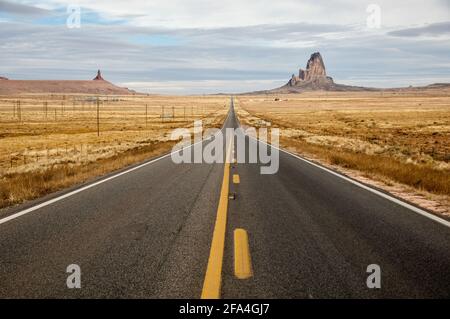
{"x":314,"y":76}
{"x":3,"y":78}
{"x":96,"y":86}
{"x":99,"y":76}
{"x":315,"y":68}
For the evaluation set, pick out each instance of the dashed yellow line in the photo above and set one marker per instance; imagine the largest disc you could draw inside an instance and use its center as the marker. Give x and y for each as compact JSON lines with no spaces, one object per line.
{"x":236,"y":179}
{"x":242,"y":261}
{"x":213,"y":276}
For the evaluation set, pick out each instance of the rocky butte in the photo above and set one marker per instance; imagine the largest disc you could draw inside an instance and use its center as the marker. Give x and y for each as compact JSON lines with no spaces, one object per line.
{"x":315,"y":73}
{"x":313,"y":78}
{"x":99,"y":76}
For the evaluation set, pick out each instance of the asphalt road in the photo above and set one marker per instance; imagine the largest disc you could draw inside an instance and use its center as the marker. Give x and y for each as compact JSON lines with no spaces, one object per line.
{"x":147,"y":234}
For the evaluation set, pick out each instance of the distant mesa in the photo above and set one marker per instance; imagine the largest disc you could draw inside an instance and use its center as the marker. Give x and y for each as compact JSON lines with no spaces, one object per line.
{"x":96,"y":86}
{"x":3,"y":78}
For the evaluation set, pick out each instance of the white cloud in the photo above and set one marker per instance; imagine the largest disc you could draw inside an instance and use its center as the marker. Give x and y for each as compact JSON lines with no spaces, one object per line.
{"x":211,"y":46}
{"x":226,"y":13}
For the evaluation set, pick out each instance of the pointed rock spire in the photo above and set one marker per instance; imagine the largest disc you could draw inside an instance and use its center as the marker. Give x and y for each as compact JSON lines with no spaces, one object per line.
{"x":99,"y":76}
{"x":315,"y":68}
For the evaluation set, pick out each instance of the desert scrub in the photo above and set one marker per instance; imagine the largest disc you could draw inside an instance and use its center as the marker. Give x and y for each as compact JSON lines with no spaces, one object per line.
{"x":54,"y":143}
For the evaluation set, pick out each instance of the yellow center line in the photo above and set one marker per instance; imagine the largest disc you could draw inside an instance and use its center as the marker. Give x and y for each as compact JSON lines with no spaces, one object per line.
{"x":213,"y":276}
{"x":242,"y":261}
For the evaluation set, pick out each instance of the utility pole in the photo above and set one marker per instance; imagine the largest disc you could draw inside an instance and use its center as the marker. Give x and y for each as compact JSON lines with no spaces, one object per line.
{"x":146,"y":115}
{"x":98,"y":117}
{"x":19,"y":111}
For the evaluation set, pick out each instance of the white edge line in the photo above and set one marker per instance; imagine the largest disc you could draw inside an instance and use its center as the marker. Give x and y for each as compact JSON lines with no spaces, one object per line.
{"x":79,"y":190}
{"x":370,"y":189}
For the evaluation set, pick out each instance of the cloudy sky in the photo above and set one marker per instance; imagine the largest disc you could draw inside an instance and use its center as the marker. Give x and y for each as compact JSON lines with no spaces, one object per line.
{"x":206,"y":46}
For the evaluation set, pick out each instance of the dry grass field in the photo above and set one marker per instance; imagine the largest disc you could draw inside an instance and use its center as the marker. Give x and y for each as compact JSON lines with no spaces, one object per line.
{"x":48,"y":142}
{"x":398,"y":140}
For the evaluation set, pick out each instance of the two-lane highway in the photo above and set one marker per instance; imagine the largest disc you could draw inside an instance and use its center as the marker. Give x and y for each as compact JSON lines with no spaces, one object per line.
{"x":144,"y":233}
{"x":148,"y":233}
